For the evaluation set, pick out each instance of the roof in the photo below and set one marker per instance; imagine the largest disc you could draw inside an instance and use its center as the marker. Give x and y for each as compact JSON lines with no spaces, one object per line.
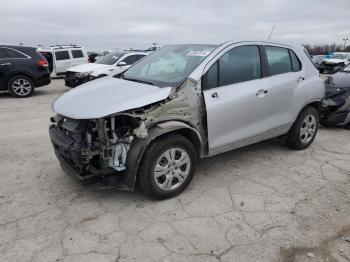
{"x":57,"y":47}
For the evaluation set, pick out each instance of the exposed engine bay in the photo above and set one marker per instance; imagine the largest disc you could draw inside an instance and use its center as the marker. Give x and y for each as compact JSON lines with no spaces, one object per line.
{"x":98,"y":144}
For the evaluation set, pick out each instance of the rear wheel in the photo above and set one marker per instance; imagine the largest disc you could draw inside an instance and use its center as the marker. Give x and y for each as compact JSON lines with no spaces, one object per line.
{"x":304,"y":129}
{"x":168,"y":167}
{"x":21,"y":86}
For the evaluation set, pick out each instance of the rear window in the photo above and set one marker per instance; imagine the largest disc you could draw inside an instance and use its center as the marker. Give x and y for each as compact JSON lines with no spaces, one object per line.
{"x":62,"y":55}
{"x":7,"y":53}
{"x":77,"y":53}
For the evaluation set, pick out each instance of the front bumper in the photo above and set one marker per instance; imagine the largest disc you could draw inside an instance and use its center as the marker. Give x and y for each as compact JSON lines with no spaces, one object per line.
{"x":95,"y":179}
{"x":72,"y":79}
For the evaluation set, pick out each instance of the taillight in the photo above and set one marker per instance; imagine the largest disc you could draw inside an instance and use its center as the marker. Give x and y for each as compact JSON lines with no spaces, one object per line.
{"x":42,"y":63}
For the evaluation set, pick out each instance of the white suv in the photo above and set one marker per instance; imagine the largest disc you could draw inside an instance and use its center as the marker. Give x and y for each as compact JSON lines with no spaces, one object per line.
{"x":62,"y":57}
{"x":182,"y":103}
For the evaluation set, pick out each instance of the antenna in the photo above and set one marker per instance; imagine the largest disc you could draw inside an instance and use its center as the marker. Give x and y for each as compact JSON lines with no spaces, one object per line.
{"x":273,"y":29}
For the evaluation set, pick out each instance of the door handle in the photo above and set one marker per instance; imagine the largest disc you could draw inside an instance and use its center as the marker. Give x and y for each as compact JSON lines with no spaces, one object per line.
{"x":262,"y":93}
{"x":214,"y":95}
{"x":6,"y":64}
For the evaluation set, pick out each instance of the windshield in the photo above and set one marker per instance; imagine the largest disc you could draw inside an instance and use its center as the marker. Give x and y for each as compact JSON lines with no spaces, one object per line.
{"x":110,"y":59}
{"x":340,"y":56}
{"x":170,"y":65}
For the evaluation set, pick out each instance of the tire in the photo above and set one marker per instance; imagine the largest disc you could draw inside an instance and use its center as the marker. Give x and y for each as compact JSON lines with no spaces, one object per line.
{"x":304,"y":130}
{"x":21,"y":86}
{"x":171,"y":178}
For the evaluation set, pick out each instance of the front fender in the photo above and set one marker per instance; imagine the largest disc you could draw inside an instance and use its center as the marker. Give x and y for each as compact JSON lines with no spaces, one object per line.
{"x":139,"y":146}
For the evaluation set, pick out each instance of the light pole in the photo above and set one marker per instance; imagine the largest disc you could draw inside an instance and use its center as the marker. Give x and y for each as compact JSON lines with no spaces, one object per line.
{"x":345,"y":40}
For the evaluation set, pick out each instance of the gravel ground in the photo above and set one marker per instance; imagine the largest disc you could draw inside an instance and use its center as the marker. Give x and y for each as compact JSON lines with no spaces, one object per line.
{"x":261,"y":203}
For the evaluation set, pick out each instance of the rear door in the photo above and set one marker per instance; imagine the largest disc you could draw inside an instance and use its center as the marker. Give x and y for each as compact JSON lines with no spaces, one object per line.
{"x":285,"y":76}
{"x":10,"y":61}
{"x":5,"y":67}
{"x":62,"y":61}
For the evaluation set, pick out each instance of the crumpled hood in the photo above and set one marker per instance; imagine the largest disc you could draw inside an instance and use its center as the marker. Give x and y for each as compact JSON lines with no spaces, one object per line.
{"x":333,"y":61}
{"x":88,"y":67}
{"x":106,"y":96}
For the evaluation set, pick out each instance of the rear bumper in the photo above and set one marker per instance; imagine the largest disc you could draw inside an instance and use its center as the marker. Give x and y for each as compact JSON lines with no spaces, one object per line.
{"x":43,"y":80}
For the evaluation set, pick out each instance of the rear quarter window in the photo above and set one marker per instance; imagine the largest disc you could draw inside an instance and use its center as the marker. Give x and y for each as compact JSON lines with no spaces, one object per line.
{"x":77,"y":54}
{"x":62,"y":55}
{"x":296,"y":64}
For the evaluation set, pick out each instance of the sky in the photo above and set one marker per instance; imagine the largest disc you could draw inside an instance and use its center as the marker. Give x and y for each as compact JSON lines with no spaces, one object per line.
{"x":105,"y":24}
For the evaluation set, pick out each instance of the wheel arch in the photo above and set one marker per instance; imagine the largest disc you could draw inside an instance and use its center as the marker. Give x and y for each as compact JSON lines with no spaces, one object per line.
{"x":317,"y":104}
{"x":19,"y":73}
{"x":139,"y":145}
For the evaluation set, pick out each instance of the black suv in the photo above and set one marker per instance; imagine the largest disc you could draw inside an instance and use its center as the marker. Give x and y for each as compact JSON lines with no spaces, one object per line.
{"x":22,"y":69}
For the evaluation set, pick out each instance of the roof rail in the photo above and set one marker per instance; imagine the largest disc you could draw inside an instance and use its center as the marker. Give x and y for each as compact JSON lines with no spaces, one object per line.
{"x":64,"y":46}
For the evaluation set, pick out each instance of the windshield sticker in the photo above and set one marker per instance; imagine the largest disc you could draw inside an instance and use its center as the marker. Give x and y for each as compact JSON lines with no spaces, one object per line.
{"x":198,"y":53}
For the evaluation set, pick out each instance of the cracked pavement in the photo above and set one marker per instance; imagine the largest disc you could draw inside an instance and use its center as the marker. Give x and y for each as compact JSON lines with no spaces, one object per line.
{"x":250,"y":204}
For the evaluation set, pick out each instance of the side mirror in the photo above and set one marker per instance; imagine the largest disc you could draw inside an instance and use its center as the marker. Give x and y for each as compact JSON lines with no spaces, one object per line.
{"x":122,"y":64}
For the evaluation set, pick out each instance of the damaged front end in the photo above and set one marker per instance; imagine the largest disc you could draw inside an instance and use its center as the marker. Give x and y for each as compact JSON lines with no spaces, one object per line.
{"x":91,"y":150}
{"x":107,"y":152}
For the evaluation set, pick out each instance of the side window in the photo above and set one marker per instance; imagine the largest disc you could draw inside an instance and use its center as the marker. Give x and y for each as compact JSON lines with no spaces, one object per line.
{"x":238,"y":65}
{"x":138,"y":57}
{"x":2,"y":53}
{"x":62,"y":55}
{"x":279,"y":60}
{"x":131,"y":59}
{"x":296,"y":64}
{"x":6,"y":53}
{"x":77,"y":53}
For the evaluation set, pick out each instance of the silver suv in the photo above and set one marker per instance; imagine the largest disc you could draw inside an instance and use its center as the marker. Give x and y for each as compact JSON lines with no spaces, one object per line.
{"x":152,"y":123}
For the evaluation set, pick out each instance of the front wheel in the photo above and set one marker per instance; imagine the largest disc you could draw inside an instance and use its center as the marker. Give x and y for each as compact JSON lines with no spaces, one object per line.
{"x":304,"y":129}
{"x":168,"y":167}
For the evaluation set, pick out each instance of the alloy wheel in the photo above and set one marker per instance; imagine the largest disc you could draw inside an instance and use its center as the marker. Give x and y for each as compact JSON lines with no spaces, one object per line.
{"x":308,"y":129}
{"x":21,"y":87}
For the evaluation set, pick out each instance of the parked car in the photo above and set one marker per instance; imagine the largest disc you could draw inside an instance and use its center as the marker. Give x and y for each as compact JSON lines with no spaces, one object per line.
{"x":62,"y":57}
{"x":340,"y":79}
{"x":334,"y":63}
{"x":22,"y":69}
{"x":182,"y":103}
{"x":108,"y":65}
{"x":336,"y":103}
{"x":317,"y":60}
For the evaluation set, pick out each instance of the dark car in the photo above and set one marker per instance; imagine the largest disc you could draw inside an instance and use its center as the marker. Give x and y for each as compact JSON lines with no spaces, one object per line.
{"x":336,"y":103}
{"x":340,"y":79}
{"x":22,"y":69}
